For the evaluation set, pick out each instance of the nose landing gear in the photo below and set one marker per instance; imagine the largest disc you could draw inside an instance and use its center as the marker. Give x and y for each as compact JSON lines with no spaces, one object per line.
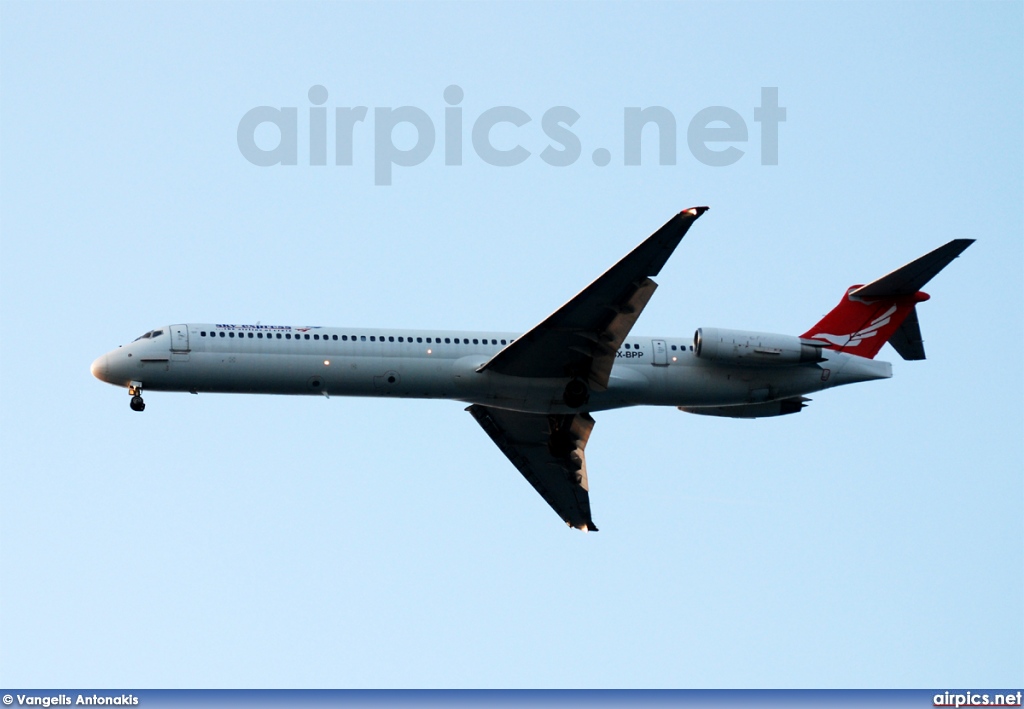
{"x":135,"y":391}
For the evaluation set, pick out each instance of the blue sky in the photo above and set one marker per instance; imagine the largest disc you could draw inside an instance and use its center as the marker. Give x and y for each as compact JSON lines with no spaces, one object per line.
{"x":215,"y":541}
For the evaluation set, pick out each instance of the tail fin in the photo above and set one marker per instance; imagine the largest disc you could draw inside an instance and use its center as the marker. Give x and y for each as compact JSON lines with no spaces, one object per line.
{"x":885,"y":310}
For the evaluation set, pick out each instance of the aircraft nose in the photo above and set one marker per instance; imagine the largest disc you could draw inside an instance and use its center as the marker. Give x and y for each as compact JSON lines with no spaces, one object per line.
{"x":100,"y":368}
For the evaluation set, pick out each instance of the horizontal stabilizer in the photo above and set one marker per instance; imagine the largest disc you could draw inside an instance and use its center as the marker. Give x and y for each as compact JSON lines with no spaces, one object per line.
{"x":909,"y":279}
{"x":907,"y":339}
{"x":885,"y":310}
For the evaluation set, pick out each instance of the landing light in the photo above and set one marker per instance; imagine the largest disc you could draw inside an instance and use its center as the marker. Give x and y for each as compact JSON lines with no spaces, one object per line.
{"x":430,"y":351}
{"x":675,"y":359}
{"x":327,"y":362}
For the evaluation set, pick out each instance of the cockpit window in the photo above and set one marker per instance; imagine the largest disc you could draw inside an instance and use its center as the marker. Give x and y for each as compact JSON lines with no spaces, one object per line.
{"x":157,"y":333}
{"x":144,"y":337}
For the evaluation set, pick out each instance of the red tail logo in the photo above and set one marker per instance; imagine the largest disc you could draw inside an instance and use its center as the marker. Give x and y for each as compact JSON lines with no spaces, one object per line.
{"x":861,"y":326}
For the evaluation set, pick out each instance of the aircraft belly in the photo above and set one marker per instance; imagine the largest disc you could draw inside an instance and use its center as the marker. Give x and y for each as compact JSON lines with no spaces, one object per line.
{"x":693,"y":383}
{"x":226,"y":372}
{"x":704,"y":384}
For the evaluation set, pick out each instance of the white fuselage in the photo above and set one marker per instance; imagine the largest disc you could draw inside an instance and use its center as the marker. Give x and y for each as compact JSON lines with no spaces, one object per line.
{"x":433,"y":364}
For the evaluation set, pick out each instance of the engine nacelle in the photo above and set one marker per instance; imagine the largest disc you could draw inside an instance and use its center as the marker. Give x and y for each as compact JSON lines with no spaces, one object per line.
{"x":754,"y":349}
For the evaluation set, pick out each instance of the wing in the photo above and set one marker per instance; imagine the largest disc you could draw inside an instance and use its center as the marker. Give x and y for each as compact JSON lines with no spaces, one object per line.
{"x":580,"y":339}
{"x":548,"y":451}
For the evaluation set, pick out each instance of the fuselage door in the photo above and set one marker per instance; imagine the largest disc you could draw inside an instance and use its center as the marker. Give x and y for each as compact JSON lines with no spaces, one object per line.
{"x":179,"y":338}
{"x":660,"y":353}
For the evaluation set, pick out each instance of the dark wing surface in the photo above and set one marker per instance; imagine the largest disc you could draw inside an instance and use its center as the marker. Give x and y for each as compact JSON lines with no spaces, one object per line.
{"x":548,"y":450}
{"x":580,"y":339}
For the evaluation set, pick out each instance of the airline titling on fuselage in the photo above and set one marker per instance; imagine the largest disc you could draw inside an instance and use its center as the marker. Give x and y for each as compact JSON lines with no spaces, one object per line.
{"x":533,"y":393}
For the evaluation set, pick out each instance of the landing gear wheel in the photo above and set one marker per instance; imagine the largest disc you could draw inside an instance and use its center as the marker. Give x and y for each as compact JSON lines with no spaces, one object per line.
{"x":576,"y":394}
{"x":561,"y":444}
{"x":137,"y":403}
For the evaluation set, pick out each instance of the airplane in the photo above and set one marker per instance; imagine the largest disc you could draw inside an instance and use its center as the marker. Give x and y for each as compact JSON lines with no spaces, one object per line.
{"x":534,"y":393}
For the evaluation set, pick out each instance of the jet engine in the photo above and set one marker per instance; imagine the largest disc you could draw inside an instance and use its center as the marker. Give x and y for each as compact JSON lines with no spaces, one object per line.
{"x":755,"y":349}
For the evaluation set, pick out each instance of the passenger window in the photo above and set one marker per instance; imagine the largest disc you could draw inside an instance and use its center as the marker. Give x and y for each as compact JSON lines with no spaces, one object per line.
{"x":316,"y":337}
{"x":250,"y":335}
{"x":475,"y":341}
{"x":420,"y":339}
{"x":306,"y":336}
{"x":391,"y":339}
{"x":503,"y":342}
{"x":334,"y":337}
